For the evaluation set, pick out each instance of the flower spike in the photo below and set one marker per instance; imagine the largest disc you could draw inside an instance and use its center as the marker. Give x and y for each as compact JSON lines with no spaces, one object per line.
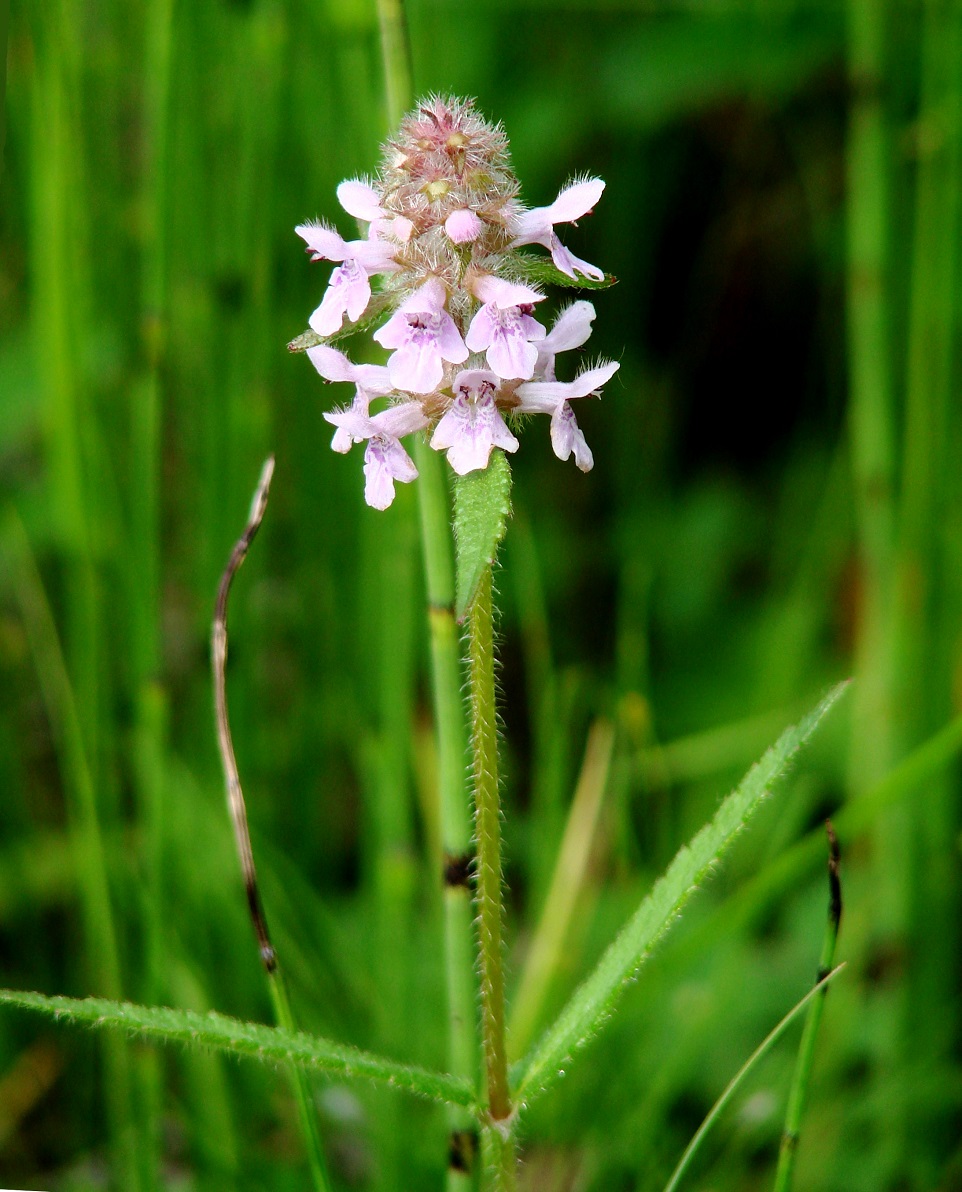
{"x":440,"y":224}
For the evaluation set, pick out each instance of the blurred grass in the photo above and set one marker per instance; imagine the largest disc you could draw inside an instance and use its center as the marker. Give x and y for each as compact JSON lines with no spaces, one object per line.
{"x":777,"y":502}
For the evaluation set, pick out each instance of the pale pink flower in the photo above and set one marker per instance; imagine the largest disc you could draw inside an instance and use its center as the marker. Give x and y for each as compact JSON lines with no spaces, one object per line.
{"x":552,"y":397}
{"x":472,"y":425}
{"x":537,"y":225}
{"x":571,"y":329}
{"x":349,"y":289}
{"x":385,"y":460}
{"x":423,"y":335}
{"x":361,"y":200}
{"x":369,"y":380}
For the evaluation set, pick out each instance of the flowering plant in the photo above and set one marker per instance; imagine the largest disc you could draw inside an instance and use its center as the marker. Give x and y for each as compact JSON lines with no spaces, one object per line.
{"x":444,"y":230}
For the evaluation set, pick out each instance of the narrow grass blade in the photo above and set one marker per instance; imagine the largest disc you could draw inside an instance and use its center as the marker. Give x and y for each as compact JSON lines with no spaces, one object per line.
{"x":593,"y":1001}
{"x":264,"y":1043}
{"x":806,"y":1052}
{"x":732,"y":1087}
{"x":567,"y":882}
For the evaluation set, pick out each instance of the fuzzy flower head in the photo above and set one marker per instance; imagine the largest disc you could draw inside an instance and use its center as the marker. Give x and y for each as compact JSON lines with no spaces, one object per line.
{"x":441,"y":268}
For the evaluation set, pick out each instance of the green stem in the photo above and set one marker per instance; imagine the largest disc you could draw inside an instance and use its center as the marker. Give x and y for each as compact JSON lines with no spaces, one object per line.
{"x":500,"y":1160}
{"x":300,"y":1082}
{"x":454,"y":817}
{"x":871,"y":385}
{"x":396,"y":56}
{"x":4,"y":27}
{"x":926,"y":612}
{"x":487,"y":830}
{"x":806,"y":1052}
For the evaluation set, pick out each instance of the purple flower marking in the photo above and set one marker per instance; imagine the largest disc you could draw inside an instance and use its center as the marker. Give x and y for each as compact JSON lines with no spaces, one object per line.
{"x":537,"y":225}
{"x":370,"y":381}
{"x":552,"y":397}
{"x":505,"y":336}
{"x":349,"y":289}
{"x":423,"y":335}
{"x":385,"y":460}
{"x":472,"y":425}
{"x":571,"y":329}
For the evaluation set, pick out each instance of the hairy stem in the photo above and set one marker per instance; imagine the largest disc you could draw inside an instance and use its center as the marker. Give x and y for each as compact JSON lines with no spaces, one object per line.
{"x":487,"y":828}
{"x":446,"y":694}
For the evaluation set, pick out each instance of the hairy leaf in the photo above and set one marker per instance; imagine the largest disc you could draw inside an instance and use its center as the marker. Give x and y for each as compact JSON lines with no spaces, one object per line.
{"x":482,"y":502}
{"x":541,"y":271}
{"x":265,"y":1043}
{"x":593,"y":1001}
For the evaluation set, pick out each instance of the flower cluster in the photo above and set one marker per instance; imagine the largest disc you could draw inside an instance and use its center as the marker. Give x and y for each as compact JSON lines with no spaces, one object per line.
{"x":443,"y":223}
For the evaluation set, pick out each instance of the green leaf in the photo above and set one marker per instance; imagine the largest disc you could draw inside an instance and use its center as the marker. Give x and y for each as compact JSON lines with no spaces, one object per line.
{"x":592,"y":1002}
{"x":264,"y":1043}
{"x":482,"y":502}
{"x":540,"y":271}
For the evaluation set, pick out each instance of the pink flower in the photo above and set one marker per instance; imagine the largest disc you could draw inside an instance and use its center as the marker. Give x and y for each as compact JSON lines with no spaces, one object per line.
{"x":370,"y":381}
{"x":463,"y":226}
{"x":349,"y":289}
{"x":363,"y":202}
{"x":571,"y":329}
{"x":385,"y":460}
{"x":423,"y":335}
{"x":552,"y":397}
{"x":537,"y":225}
{"x":472,"y":425}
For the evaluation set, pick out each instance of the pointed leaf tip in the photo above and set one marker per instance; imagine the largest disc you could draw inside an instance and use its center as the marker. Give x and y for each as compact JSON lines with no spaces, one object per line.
{"x":482,"y":502}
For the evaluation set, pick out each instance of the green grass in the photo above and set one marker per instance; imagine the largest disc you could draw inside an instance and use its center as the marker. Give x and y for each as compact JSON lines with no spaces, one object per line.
{"x":776,"y":504}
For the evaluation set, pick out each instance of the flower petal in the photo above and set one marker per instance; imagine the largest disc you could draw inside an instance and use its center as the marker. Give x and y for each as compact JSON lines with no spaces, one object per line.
{"x":360,"y":200}
{"x":400,"y":420}
{"x":323,"y":243}
{"x":502,"y":294}
{"x":353,"y":425}
{"x":385,"y":461}
{"x":540,"y":396}
{"x":576,"y":200}
{"x":416,"y":367}
{"x":571,"y":329}
{"x":470,"y":430}
{"x":568,"y":263}
{"x":510,"y":355}
{"x":567,"y":437}
{"x":349,"y":290}
{"x":330,"y":363}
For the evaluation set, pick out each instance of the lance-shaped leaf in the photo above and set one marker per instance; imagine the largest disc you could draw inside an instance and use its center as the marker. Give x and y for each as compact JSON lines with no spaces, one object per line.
{"x":482,"y":502}
{"x":264,"y":1043}
{"x":541,"y":271}
{"x":593,"y":1001}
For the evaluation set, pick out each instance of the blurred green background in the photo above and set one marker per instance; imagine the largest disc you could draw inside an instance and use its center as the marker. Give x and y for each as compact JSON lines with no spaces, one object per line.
{"x":776,"y":503}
